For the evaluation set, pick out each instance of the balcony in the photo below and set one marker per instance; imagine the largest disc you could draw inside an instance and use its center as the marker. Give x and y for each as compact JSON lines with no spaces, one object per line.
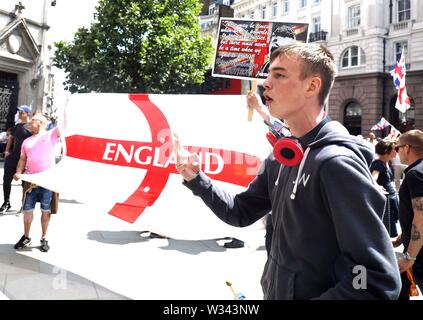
{"x":318,"y":36}
{"x":351,"y":32}
{"x":401,"y":25}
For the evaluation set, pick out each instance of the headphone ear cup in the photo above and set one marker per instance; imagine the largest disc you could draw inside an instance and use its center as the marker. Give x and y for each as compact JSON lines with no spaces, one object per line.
{"x":288,"y":152}
{"x":271,"y":138}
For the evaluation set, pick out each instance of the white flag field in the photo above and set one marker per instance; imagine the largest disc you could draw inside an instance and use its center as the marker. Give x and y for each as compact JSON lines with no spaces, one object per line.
{"x":118,"y":158}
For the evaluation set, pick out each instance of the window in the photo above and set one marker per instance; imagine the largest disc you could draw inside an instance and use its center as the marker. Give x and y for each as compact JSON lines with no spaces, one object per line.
{"x":285,"y":6}
{"x":212,"y":8}
{"x":316,"y":24}
{"x":353,"y":17}
{"x":252,"y":14}
{"x":352,"y":118}
{"x":226,"y":2}
{"x":353,"y":110}
{"x":353,"y":57}
{"x":403,"y":10}
{"x":399,"y":46}
{"x":274,"y":9}
{"x":263,"y":12}
{"x":303,"y":3}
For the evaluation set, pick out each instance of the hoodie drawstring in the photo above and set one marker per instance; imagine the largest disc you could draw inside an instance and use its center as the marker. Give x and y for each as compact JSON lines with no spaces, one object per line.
{"x":300,"y":170}
{"x":279,"y":174}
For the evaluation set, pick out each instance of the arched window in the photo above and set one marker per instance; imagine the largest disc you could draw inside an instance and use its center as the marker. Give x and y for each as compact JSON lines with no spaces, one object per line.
{"x":353,"y":57}
{"x":352,"y":118}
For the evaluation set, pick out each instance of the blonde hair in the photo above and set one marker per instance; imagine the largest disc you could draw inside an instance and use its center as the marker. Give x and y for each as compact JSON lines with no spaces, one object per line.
{"x":40,"y":118}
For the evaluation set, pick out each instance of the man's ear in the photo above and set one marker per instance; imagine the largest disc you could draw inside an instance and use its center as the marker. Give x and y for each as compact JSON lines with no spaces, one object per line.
{"x":314,"y":86}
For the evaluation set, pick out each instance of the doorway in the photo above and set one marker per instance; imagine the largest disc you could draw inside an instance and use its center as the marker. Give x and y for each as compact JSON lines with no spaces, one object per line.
{"x":9,"y":89}
{"x":352,"y":118}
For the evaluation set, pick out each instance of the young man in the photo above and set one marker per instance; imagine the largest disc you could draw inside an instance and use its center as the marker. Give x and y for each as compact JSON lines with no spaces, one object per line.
{"x":12,"y":153}
{"x":329,"y":241}
{"x":410,"y":151}
{"x":37,"y":155}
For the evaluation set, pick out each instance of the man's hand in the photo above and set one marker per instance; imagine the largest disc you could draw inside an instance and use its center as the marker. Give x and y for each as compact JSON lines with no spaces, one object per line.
{"x":405,"y":264}
{"x":397,"y":242}
{"x":253,"y":101}
{"x":17,"y":176}
{"x":187,"y":164}
{"x":6,"y":153}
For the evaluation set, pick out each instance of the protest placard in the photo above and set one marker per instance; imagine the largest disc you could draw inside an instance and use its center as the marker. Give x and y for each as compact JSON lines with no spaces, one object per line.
{"x":244,"y":46}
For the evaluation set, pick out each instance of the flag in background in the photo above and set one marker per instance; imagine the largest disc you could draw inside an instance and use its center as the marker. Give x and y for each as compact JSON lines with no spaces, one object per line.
{"x":398,"y":74}
{"x":394,"y":133}
{"x":382,"y":124}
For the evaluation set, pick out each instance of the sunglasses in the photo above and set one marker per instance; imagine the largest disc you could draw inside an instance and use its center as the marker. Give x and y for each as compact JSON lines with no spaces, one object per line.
{"x":398,"y":147}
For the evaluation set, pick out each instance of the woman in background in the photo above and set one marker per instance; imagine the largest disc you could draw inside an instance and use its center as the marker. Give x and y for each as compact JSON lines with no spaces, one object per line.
{"x":384,"y":177}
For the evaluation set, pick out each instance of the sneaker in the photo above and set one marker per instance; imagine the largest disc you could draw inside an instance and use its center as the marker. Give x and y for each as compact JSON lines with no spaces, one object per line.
{"x":5,"y":206}
{"x":235,"y":243}
{"x":44,"y":245}
{"x":156,"y":236}
{"x":23,"y":242}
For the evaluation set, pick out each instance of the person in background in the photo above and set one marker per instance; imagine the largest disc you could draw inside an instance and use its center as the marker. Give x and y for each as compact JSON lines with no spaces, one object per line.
{"x":410,"y":151}
{"x":12,"y":153}
{"x":384,"y":177}
{"x":4,"y":137}
{"x":256,"y":102}
{"x":37,"y":155}
{"x":371,"y":137}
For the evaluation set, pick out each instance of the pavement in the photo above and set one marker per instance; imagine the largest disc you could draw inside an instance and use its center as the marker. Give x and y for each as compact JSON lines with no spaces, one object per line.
{"x":96,"y":256}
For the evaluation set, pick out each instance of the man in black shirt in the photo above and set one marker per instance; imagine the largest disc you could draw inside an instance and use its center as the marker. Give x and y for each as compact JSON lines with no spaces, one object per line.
{"x":410,"y":150}
{"x":13,"y":152}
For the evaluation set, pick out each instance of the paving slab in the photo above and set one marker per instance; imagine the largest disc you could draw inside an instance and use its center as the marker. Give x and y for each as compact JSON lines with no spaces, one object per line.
{"x":96,"y":256}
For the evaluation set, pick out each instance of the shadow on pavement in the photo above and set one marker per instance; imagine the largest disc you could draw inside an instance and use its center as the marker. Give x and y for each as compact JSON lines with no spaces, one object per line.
{"x":126,"y":237}
{"x":194,"y":246}
{"x":116,"y":237}
{"x":10,"y":213}
{"x":69,"y":201}
{"x":27,"y":278}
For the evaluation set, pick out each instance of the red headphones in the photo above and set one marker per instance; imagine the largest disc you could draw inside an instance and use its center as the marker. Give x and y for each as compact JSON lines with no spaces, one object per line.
{"x":286,"y":149}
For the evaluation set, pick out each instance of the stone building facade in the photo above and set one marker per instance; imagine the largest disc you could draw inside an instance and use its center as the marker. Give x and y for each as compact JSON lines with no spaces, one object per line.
{"x":25,"y":58}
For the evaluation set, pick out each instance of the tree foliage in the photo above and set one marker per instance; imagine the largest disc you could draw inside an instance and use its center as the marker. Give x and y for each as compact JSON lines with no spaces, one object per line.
{"x":151,"y":46}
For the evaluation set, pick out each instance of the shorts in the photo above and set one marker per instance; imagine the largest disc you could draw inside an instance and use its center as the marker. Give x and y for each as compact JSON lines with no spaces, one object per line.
{"x":38,"y":194}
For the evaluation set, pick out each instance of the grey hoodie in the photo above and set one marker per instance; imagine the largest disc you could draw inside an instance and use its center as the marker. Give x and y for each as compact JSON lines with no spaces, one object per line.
{"x":328,"y":241}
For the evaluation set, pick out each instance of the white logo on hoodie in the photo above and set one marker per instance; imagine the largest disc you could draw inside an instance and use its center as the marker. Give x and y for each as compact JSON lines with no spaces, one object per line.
{"x":304,"y":179}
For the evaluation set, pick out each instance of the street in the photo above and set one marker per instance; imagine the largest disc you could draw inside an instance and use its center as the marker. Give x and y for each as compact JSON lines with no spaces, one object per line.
{"x":96,"y":256}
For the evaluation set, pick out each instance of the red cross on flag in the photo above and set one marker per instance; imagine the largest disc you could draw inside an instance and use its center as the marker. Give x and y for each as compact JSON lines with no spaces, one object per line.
{"x":119,"y":157}
{"x":398,"y":73}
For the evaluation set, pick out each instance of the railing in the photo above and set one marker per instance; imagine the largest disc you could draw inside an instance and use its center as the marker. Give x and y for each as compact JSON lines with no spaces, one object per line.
{"x":351,"y":32}
{"x":318,"y":36}
{"x":401,"y":25}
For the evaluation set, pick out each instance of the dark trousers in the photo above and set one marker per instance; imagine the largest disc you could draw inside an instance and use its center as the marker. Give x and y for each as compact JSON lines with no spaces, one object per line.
{"x":390,"y":215}
{"x":10,"y":164}
{"x":269,"y":233}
